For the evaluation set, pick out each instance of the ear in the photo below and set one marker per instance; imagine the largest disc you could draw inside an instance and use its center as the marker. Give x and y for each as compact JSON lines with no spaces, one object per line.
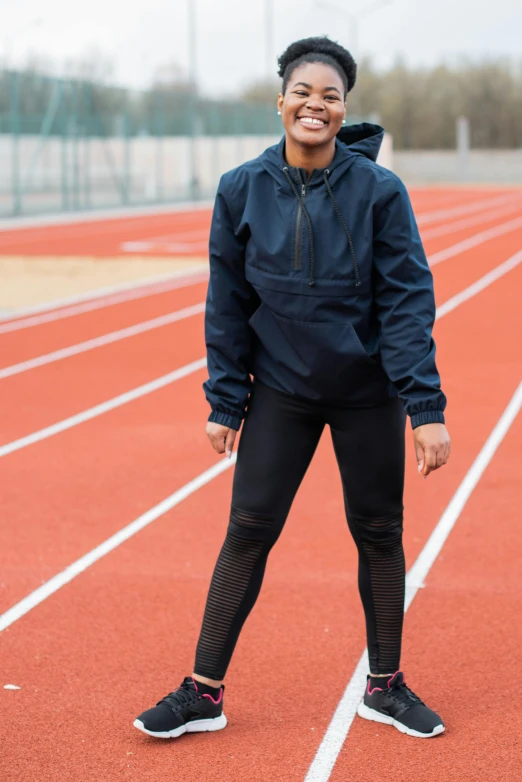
{"x":280,"y":99}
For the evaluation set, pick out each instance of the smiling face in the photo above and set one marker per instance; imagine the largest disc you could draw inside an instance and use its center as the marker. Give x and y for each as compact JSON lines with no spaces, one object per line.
{"x":313,"y":106}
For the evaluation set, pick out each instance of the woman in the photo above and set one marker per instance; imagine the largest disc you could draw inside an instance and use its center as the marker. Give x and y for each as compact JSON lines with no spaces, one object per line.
{"x":320,"y":291}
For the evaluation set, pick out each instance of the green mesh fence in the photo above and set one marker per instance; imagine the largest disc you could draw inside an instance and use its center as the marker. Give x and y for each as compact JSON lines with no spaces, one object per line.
{"x":67,"y":144}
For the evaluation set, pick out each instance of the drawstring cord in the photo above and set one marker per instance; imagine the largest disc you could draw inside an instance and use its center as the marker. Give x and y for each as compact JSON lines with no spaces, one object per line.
{"x":310,"y":229}
{"x":309,"y":224}
{"x":346,"y":229}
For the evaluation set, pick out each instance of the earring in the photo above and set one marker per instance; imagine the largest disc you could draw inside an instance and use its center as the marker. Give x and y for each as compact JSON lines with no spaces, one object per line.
{"x":279,"y":113}
{"x":344,"y":122}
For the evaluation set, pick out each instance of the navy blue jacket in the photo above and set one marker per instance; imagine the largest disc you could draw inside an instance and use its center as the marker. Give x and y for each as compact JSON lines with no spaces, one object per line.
{"x":319,"y":286}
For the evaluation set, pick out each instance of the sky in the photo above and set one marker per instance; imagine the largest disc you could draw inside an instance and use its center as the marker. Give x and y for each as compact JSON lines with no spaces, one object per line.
{"x":140,"y":36}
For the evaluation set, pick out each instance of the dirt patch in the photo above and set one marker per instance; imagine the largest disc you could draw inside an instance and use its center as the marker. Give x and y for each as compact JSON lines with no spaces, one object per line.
{"x":30,"y":281}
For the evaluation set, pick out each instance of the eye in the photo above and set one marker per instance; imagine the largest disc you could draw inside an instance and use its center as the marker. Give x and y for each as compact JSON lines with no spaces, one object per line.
{"x":301,"y":92}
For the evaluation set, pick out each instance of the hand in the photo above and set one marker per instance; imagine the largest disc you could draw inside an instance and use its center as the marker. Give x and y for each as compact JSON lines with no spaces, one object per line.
{"x":221,"y":438}
{"x":432,"y":446}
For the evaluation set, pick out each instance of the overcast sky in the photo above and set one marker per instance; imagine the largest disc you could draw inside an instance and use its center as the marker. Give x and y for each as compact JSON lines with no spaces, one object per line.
{"x":141,"y":35}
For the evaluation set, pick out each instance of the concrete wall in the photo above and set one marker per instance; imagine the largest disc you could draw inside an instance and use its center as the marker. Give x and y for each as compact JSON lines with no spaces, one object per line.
{"x":497,"y":166}
{"x":84,"y":174}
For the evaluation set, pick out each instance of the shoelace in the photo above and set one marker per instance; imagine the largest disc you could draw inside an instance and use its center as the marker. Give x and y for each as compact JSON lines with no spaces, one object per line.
{"x":403,"y":695}
{"x":179,"y":698}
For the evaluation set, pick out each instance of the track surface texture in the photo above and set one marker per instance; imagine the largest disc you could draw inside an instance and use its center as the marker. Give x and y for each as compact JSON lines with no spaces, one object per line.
{"x":117,"y":636}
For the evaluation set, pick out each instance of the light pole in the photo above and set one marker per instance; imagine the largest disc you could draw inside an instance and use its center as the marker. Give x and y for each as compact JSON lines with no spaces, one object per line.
{"x":354,"y":17}
{"x":269,"y":38}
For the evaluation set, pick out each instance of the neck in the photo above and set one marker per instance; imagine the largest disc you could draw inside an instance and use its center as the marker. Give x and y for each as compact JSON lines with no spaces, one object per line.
{"x":309,"y":158}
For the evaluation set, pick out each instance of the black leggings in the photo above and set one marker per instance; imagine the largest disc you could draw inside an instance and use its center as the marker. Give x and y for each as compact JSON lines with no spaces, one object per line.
{"x":279,"y":439}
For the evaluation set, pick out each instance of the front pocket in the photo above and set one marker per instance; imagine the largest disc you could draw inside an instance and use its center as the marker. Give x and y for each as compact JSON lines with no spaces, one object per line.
{"x":318,"y":360}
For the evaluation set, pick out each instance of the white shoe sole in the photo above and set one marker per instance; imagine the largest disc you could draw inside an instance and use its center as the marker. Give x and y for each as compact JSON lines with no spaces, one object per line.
{"x":370,"y":714}
{"x":197,"y":726}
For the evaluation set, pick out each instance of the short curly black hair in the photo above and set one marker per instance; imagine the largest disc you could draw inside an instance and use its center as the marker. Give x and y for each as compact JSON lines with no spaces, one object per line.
{"x":318,"y":49}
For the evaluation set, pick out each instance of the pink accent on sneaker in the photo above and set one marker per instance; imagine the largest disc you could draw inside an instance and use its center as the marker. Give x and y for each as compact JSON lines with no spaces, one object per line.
{"x":392,"y":677}
{"x":375,"y":689}
{"x":205,"y":695}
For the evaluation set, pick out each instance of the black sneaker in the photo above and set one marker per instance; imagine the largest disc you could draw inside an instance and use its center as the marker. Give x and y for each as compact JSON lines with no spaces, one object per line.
{"x":397,"y":705}
{"x":185,"y":710}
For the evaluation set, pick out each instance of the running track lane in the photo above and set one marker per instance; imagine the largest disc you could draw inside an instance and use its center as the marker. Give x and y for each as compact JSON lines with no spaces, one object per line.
{"x":28,"y":343}
{"x":17,"y":346}
{"x":132,"y":648}
{"x":56,"y":383}
{"x":69,"y":487}
{"x":105,"y":239}
{"x":168,"y":414}
{"x":102,"y":239}
{"x":46,"y":394}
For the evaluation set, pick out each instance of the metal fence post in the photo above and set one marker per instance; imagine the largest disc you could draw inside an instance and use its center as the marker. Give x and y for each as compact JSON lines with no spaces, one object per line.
{"x":86,"y":149}
{"x":126,"y":154}
{"x":15,"y":135}
{"x":65,"y":179}
{"x":463,"y":148}
{"x":75,"y":158}
{"x":160,"y":144}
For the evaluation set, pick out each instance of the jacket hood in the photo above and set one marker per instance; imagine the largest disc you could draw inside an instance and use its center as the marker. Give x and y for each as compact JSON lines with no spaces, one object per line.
{"x":352,"y":141}
{"x":364,"y":139}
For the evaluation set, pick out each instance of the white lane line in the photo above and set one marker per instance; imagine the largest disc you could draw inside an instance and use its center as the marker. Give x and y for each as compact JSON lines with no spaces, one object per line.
{"x":163,"y":320}
{"x":164,"y":380}
{"x":14,"y":325}
{"x":145,"y":285}
{"x":67,"y":575}
{"x":103,"y":407}
{"x":467,"y":222}
{"x":81,"y":347}
{"x":106,"y":339}
{"x":449,"y":252}
{"x":479,"y":285}
{"x":97,"y":304}
{"x":468,"y":208}
{"x":196,"y":235}
{"x":343,"y":717}
{"x":198,"y":246}
{"x":475,"y":241}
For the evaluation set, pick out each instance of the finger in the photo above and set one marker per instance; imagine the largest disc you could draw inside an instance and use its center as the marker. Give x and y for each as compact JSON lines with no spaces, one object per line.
{"x":441,"y":457}
{"x":419,"y":452}
{"x":218,"y":443}
{"x":229,"y":442}
{"x":430,"y":461}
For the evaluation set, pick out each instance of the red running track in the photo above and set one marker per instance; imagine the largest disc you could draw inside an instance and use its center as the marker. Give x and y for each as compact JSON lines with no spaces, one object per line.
{"x":107,"y":238}
{"x":105,"y":646}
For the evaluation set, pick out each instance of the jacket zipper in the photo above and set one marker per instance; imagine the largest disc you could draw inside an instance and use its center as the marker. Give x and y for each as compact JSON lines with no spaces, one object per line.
{"x":297,"y":253}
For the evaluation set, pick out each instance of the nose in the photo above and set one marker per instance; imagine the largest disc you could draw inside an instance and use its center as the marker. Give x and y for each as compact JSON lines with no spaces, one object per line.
{"x":314,"y":103}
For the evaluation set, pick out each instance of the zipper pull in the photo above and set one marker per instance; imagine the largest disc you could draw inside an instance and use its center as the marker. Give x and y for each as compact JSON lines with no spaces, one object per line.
{"x":303,"y":190}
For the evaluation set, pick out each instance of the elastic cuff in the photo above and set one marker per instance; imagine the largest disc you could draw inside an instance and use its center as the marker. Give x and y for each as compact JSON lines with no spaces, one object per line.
{"x":428,"y":417}
{"x":232,"y":421}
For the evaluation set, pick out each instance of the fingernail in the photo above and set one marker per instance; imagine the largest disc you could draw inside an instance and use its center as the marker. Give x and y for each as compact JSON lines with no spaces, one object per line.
{"x":229,"y":454}
{"x":419,"y":468}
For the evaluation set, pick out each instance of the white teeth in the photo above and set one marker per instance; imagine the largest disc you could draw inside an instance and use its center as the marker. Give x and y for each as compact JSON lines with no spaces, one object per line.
{"x":311,"y":121}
